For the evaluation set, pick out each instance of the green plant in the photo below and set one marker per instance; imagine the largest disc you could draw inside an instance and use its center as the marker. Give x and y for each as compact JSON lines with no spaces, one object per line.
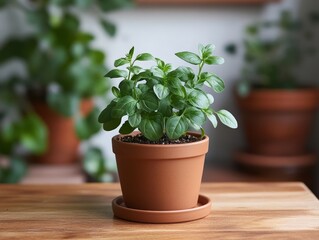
{"x":162,"y":101}
{"x":21,"y":132}
{"x":12,"y":169}
{"x":271,"y":61}
{"x":96,"y":165}
{"x":60,"y":68}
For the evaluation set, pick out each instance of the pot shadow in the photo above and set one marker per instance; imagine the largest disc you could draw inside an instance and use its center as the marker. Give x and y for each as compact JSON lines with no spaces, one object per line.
{"x":95,"y":206}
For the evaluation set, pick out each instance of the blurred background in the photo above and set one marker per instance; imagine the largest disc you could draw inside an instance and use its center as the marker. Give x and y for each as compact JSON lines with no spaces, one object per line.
{"x":54,"y":54}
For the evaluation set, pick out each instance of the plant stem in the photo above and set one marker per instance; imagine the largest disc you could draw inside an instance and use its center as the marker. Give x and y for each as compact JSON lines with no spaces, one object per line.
{"x":129,"y":71}
{"x":200,"y":69}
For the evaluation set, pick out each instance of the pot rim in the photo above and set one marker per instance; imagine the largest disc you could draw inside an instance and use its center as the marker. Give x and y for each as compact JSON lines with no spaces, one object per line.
{"x":264,"y":91}
{"x":116,"y":138}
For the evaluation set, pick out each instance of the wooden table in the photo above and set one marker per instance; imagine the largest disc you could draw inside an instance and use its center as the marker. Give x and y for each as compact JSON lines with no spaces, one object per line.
{"x":240,"y":211}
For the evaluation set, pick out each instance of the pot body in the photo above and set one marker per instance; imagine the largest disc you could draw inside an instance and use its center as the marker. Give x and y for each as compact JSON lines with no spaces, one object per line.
{"x":63,"y":143}
{"x":160,"y":177}
{"x":278,"y":122}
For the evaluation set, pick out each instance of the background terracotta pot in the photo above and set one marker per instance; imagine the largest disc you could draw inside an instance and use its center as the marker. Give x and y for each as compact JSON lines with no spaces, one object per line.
{"x":62,"y":140}
{"x":278,"y":122}
{"x":160,"y":177}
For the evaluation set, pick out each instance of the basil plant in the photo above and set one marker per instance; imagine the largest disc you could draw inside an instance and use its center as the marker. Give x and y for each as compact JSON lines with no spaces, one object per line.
{"x":163,"y":101}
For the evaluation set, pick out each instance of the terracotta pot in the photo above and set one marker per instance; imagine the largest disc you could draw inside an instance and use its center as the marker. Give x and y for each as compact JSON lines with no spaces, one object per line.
{"x":278,"y":122}
{"x":62,"y":140}
{"x":160,"y":177}
{"x":263,"y":168}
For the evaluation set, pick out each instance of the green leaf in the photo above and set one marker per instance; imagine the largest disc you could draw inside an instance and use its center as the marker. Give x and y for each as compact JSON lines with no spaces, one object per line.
{"x":165,"y":108}
{"x":126,"y":87}
{"x":112,"y":124}
{"x":152,"y":127}
{"x":161,"y":91}
{"x":15,"y":171}
{"x":110,"y":121}
{"x":213,"y":81}
{"x":106,"y":114}
{"x":198,"y":99}
{"x":116,"y":92}
{"x":252,"y":30}
{"x":127,"y":104}
{"x":189,"y":57}
{"x":178,"y":102}
{"x":160,"y":63}
{"x":116,"y":73}
{"x":33,"y":133}
{"x":8,"y":135}
{"x":157,"y":72}
{"x":135,"y":69}
{"x":207,"y":50}
{"x":175,"y":87}
{"x":143,"y":76}
{"x":120,"y":62}
{"x":112,"y":5}
{"x":131,"y":53}
{"x":143,"y":87}
{"x":149,"y":102}
{"x":93,"y":162}
{"x":186,"y":73}
{"x":3,"y":3}
{"x":126,"y":128}
{"x":211,"y":98}
{"x":212,"y":118}
{"x":67,"y":104}
{"x":195,"y":117}
{"x":87,"y":126}
{"x":83,"y":3}
{"x":136,"y":93}
{"x":167,"y":67}
{"x":214,"y":60}
{"x":97,"y":56}
{"x":18,"y":48}
{"x":108,"y":27}
{"x":144,"y":57}
{"x":201,"y":48}
{"x":176,"y":126}
{"x":118,"y":113}
{"x":227,"y":118}
{"x":135,"y":119}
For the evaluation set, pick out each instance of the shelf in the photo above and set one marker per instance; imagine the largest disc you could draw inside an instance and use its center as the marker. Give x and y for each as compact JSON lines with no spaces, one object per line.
{"x":202,"y":2}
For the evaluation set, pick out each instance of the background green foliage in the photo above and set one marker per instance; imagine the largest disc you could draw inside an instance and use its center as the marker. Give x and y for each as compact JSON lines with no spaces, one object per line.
{"x":272,"y":61}
{"x":62,"y":68}
{"x":162,"y":101}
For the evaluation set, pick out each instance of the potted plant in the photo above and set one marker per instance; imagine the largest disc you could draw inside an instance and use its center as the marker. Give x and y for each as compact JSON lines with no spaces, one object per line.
{"x":63,"y":70}
{"x":21,"y":132}
{"x":277,"y":112}
{"x":160,"y":165}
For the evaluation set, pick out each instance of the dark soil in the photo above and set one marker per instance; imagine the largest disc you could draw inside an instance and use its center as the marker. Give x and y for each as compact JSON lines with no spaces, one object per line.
{"x":164,"y":140}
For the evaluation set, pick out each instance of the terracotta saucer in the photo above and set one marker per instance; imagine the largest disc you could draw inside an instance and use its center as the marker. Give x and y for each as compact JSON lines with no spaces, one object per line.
{"x":146,"y":216}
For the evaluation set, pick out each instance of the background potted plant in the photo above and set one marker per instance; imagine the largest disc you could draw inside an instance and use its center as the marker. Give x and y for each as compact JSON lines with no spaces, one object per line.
{"x":160,"y":166}
{"x":21,"y":132}
{"x":63,"y":70}
{"x":278,"y":112}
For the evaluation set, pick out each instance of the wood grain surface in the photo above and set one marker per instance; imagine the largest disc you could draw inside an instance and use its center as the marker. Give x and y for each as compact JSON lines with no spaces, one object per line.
{"x":240,"y":211}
